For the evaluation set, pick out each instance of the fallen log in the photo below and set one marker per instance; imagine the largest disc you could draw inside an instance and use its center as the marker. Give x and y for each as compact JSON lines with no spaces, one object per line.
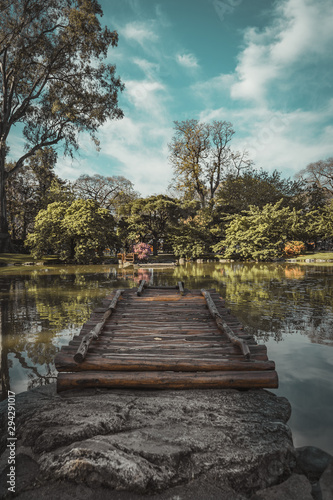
{"x":94,"y":333}
{"x":140,"y":289}
{"x":223,"y":326}
{"x":181,"y":287}
{"x":64,"y":362}
{"x":168,"y":380}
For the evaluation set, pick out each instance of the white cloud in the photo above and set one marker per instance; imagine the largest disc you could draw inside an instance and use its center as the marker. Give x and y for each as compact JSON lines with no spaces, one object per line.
{"x":253,"y":72}
{"x":162,"y":18}
{"x":136,"y":149}
{"x":279,"y":140}
{"x":187,"y":60}
{"x":140,"y":150}
{"x":299,"y":35}
{"x":302,"y":31}
{"x":149,"y":68}
{"x":305,"y":31}
{"x":71,"y":168}
{"x":139,"y":31}
{"x":147,"y":95}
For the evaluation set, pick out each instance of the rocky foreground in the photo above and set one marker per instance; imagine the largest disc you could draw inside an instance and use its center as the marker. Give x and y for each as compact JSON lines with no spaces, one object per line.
{"x":176,"y":445}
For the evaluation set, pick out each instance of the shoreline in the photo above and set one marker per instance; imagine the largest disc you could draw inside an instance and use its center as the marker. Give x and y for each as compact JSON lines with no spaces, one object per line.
{"x":161,"y":265}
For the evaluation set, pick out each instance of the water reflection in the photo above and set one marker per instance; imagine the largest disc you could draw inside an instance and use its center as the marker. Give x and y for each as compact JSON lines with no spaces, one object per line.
{"x":39,"y":312}
{"x":289,"y":307}
{"x":305,"y":372}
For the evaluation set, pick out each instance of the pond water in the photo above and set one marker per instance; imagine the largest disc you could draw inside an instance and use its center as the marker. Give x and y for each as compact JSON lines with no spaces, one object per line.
{"x":288,"y":307}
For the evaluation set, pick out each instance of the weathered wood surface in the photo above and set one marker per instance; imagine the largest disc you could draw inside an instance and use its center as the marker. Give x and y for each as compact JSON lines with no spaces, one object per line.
{"x":168,"y":380}
{"x":94,"y":333}
{"x":167,"y":337}
{"x":141,"y":287}
{"x":224,"y":326}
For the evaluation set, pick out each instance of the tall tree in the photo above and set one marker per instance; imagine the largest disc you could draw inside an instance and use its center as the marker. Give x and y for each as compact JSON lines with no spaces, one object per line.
{"x":78,"y":231}
{"x":108,"y":192}
{"x":258,"y":187}
{"x":151,"y":217}
{"x":21,"y":204}
{"x":42,"y":164}
{"x":201,"y":155}
{"x":319,"y":173}
{"x":324,"y":223}
{"x":53,"y":79}
{"x":191,"y":236}
{"x":31,"y":189}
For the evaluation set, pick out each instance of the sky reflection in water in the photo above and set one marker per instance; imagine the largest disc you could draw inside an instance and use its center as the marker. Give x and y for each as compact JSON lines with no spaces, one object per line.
{"x":287,"y":307}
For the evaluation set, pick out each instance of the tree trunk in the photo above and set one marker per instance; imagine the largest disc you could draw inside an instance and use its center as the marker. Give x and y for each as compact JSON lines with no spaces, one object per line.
{"x":155,"y":241}
{"x":202,"y":199}
{"x":5,"y":241}
{"x":72,"y":249}
{"x":4,"y":365}
{"x":3,"y":204}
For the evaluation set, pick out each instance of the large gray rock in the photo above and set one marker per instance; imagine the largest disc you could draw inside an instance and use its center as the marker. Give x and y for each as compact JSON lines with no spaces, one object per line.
{"x":295,"y":488}
{"x":312,"y":461}
{"x":150,"y":441}
{"x":326,"y":483}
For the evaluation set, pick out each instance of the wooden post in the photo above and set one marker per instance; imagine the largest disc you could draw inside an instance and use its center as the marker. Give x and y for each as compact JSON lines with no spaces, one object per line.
{"x":181,"y":287}
{"x":224,"y":327}
{"x":140,"y":289}
{"x":94,"y":333}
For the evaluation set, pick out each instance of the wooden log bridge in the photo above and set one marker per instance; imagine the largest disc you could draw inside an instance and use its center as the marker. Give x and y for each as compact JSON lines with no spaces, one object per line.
{"x":164,"y":337}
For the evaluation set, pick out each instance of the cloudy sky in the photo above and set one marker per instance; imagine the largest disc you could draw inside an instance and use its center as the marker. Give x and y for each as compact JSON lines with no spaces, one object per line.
{"x":264,"y":65}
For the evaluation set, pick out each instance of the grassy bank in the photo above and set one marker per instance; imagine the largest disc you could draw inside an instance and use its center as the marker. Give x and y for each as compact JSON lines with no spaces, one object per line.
{"x":321,"y":256}
{"x":17,"y":259}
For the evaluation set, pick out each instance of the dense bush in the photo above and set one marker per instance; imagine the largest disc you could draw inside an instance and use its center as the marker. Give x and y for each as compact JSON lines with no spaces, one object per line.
{"x":294,"y":248}
{"x":260,"y":234}
{"x":143,"y":250}
{"x":78,"y":231}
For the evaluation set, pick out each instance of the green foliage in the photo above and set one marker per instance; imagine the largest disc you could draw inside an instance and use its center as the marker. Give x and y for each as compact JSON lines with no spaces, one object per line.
{"x":260,"y":234}
{"x":31,"y":189}
{"x":238,"y":193}
{"x":323,"y":223}
{"x":192,"y":238}
{"x":151,"y":219}
{"x":77,"y":231}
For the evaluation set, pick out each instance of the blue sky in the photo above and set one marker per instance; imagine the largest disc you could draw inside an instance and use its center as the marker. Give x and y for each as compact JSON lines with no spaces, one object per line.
{"x":263,"y":65}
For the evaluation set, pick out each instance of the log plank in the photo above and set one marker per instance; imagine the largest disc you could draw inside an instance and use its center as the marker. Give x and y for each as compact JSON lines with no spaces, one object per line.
{"x":227,"y":349}
{"x":65,"y":362}
{"x":141,"y":287}
{"x":223,"y":326}
{"x":168,"y":380}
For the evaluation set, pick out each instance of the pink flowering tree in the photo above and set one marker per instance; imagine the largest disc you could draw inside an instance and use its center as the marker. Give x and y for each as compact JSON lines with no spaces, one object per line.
{"x":143,"y":250}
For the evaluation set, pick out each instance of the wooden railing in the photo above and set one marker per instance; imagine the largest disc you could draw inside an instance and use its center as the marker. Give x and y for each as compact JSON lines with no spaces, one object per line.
{"x":127,"y":257}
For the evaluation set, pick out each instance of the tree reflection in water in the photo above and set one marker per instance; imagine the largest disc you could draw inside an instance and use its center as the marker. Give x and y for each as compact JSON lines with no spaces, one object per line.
{"x":272,"y":299}
{"x":39,"y":312}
